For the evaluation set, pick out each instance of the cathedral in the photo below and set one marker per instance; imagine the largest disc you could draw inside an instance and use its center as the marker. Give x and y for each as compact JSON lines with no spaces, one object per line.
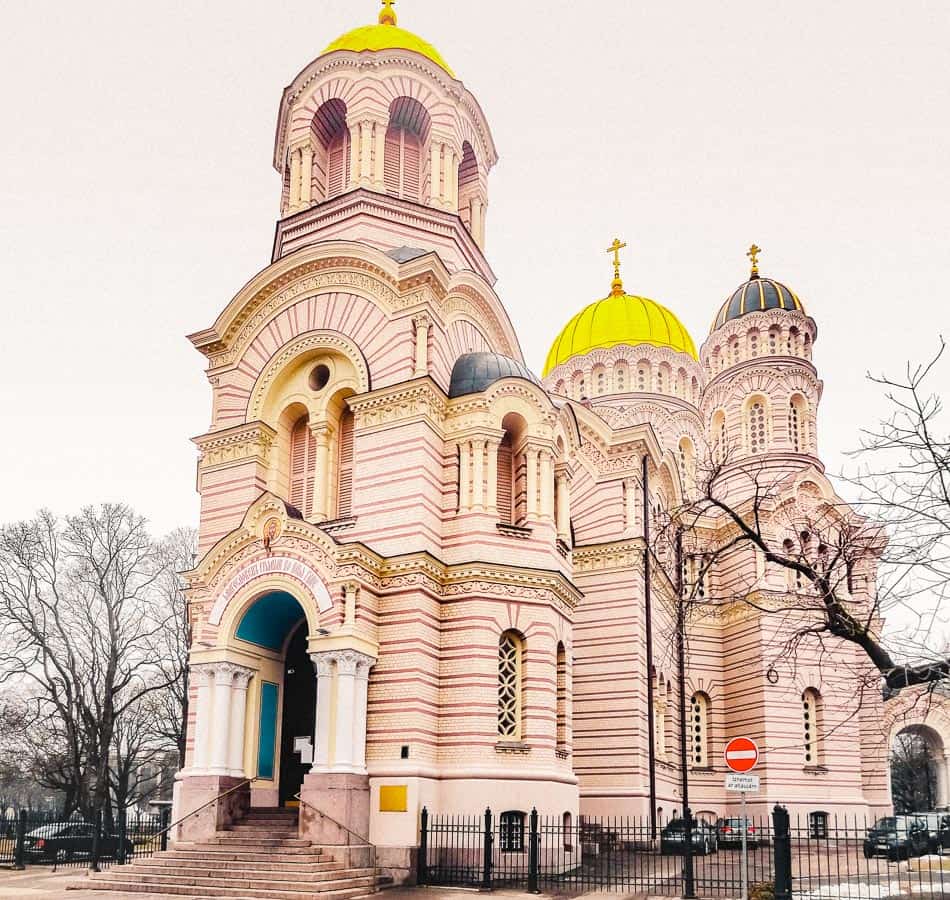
{"x":425,"y":575}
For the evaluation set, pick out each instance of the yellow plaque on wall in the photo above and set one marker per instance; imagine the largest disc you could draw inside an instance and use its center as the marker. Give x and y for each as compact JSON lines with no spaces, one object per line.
{"x":392,"y":798}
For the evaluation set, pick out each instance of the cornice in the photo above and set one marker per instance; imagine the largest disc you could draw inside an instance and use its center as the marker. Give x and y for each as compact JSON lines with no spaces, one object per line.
{"x":421,"y":398}
{"x":219,"y":449}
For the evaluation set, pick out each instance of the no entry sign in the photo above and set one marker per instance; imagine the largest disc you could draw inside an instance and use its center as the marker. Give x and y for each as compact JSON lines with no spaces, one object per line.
{"x":741,"y":754}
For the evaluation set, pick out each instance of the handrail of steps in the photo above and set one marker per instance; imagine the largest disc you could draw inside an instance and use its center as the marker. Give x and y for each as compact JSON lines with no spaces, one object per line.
{"x":165,"y":831}
{"x":363,"y":841}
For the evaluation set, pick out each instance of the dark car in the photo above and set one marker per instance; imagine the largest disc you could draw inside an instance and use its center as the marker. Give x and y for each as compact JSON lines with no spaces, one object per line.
{"x":673,"y":838}
{"x":938,"y":830}
{"x":730,"y":833}
{"x":61,"y":841}
{"x":897,"y":837}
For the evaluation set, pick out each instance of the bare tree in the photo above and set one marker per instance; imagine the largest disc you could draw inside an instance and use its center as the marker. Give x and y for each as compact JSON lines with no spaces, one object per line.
{"x":913,"y":776}
{"x":80,"y":634}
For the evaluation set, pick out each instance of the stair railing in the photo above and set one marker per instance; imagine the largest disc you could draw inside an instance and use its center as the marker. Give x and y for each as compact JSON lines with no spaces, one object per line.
{"x":163,"y":834}
{"x":363,"y":841}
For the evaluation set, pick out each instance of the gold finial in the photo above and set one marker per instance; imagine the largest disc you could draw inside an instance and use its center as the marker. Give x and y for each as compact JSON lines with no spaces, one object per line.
{"x":753,"y":254}
{"x":387,"y":15}
{"x":617,"y":286}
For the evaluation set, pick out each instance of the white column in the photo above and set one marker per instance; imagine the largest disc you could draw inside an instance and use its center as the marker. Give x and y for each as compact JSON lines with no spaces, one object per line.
{"x":435,"y":174}
{"x":294,"y":179}
{"x":366,"y":152}
{"x":531,"y":485}
{"x":478,"y":475}
{"x":491,"y":502}
{"x":421,"y":324}
{"x":465,"y":493}
{"x":320,"y":505}
{"x":563,"y":507}
{"x":323,"y":663}
{"x":452,"y":181}
{"x":238,"y":718}
{"x":547,"y":485}
{"x":355,"y":155}
{"x":379,"y":155}
{"x":202,"y":674}
{"x":351,"y":591}
{"x":220,"y":719}
{"x":942,"y":768}
{"x":363,"y":665}
{"x":306,"y":175}
{"x":345,"y":711}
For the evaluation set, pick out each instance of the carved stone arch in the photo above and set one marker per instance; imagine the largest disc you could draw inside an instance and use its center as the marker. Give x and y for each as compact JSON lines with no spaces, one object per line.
{"x":303,"y":345}
{"x":524,"y":398}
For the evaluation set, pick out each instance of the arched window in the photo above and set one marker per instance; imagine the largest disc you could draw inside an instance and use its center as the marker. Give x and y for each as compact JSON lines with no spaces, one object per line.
{"x":797,"y":423}
{"x":511,"y":831}
{"x":644,"y":376}
{"x":510,"y":652}
{"x":694,"y":390}
{"x":718,"y":435}
{"x":774,"y":336}
{"x":344,"y":489}
{"x":468,"y":188}
{"x":806,"y":349}
{"x":567,"y":831}
{"x":753,"y":342}
{"x":734,"y":351}
{"x":331,"y":168}
{"x":559,"y":387}
{"x":303,"y":452}
{"x":561,"y":702}
{"x":793,"y":341}
{"x":687,"y":464}
{"x":511,"y":495}
{"x":600,"y":381}
{"x":811,"y":726}
{"x":716,"y":360}
{"x":620,"y":377}
{"x":699,"y":721}
{"x":405,"y":137}
{"x":663,"y":373}
{"x":756,"y":429}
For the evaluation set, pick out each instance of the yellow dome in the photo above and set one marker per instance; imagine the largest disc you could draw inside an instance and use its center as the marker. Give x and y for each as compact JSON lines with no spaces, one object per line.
{"x":619,"y":319}
{"x":387,"y":36}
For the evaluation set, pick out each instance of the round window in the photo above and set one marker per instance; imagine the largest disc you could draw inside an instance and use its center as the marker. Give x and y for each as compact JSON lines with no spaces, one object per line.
{"x":319,"y":377}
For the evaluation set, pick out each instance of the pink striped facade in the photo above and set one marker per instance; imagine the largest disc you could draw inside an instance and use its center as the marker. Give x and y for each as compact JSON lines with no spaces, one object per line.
{"x":438,"y":573}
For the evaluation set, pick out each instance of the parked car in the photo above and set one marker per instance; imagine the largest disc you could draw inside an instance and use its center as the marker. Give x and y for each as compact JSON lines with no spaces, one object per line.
{"x":897,"y":837}
{"x":938,"y":830}
{"x":730,"y":833}
{"x":62,"y":841}
{"x":673,"y":838}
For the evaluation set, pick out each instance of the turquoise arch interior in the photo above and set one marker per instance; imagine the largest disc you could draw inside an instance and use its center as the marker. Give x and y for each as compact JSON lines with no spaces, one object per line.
{"x":269,"y":621}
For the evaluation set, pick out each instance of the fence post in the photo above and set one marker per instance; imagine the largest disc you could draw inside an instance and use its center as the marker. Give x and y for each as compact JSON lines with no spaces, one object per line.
{"x":19,"y":853}
{"x":533,"y":854}
{"x":96,"y":842}
{"x":422,"y":873}
{"x":487,"y":842}
{"x":782,"y":850}
{"x":166,"y":816}
{"x":120,"y":850}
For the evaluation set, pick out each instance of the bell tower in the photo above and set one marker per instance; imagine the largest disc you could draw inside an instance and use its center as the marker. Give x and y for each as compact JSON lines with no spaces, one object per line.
{"x":377,"y":141}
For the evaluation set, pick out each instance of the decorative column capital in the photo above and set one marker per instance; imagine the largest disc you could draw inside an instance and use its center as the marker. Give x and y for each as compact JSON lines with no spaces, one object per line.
{"x":421,"y":321}
{"x":228,"y":674}
{"x":202,"y":673}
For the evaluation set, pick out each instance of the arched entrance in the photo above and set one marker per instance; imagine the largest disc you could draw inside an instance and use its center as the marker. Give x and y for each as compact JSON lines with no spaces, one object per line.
{"x":275,"y":624}
{"x":919,"y":777}
{"x":298,"y":716}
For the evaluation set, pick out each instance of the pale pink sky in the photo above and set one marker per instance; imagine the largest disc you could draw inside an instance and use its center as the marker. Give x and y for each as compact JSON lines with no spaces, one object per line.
{"x":138,"y":196}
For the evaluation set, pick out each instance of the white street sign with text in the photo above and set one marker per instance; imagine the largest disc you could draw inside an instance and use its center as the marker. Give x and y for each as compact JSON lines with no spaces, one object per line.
{"x":736,"y":781}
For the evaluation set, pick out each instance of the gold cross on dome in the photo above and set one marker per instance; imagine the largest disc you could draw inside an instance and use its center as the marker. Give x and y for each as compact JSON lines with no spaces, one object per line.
{"x":753,"y":254}
{"x":615,"y":248}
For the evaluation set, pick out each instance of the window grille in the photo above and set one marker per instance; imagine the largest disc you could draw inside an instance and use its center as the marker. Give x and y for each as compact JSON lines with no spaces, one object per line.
{"x":509,"y":686}
{"x":810,"y":726}
{"x":511,"y":831}
{"x":699,"y":710}
{"x":757,"y":440}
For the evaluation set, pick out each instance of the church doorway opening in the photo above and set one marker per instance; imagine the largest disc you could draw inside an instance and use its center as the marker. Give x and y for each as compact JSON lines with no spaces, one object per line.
{"x":298,"y":716}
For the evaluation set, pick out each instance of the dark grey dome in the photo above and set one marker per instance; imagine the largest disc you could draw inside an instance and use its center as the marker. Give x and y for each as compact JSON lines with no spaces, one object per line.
{"x":473,"y":372}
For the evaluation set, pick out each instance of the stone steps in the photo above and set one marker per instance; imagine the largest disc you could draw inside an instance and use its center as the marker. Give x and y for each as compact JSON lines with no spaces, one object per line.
{"x":258,"y":857}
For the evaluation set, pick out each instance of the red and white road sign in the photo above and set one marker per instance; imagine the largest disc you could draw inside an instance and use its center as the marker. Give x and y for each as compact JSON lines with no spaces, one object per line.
{"x":741,"y":754}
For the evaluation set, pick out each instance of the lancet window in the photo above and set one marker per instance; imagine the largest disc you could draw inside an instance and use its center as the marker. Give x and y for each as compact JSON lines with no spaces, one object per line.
{"x":699,"y":716}
{"x":405,"y":137}
{"x":811,"y":725}
{"x":303,"y":453}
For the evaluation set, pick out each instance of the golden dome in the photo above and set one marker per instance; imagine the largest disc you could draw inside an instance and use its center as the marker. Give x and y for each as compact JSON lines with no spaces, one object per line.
{"x":387,"y":35}
{"x":619,"y":318}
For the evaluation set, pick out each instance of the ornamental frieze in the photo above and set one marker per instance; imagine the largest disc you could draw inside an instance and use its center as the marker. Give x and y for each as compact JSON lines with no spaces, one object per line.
{"x":402,"y":404}
{"x":251,"y":441}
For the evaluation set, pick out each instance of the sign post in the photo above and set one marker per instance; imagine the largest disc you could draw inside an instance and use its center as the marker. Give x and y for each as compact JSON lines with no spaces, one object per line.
{"x":741,"y":756}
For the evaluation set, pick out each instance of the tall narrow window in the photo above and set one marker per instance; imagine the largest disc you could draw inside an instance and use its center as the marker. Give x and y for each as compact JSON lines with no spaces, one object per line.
{"x":811,"y":726}
{"x":509,"y":686}
{"x":601,"y":382}
{"x":773,"y":341}
{"x":303,"y":451}
{"x":753,"y":343}
{"x":561,"y":710}
{"x":620,"y":377}
{"x":756,"y":425}
{"x":699,"y":714}
{"x":344,"y":501}
{"x":505,"y":481}
{"x":330,"y":168}
{"x":687,"y":465}
{"x":718,"y":434}
{"x":405,"y":136}
{"x":798,"y":423}
{"x":660,"y":380}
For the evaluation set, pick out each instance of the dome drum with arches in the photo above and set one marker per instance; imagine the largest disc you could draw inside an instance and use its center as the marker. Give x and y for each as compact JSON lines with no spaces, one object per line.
{"x":619,"y":318}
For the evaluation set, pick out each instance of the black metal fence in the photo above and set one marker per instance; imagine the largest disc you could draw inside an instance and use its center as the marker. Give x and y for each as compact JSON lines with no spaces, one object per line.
{"x":43,"y":838}
{"x":806,"y":859}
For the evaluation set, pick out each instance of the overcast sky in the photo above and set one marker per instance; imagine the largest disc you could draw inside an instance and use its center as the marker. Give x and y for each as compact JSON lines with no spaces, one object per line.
{"x":137,"y":194}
